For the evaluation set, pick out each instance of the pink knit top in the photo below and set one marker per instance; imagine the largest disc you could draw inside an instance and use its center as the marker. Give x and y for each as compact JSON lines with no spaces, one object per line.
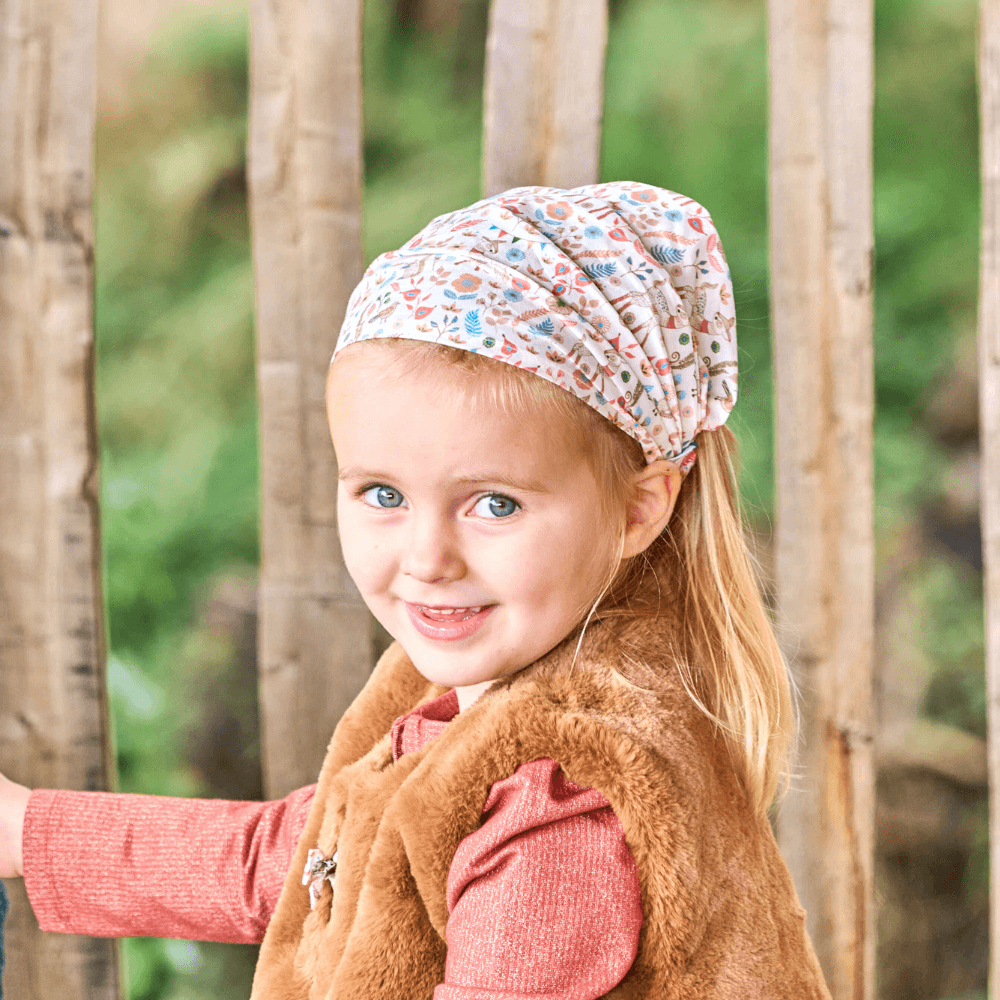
{"x":542,"y":898}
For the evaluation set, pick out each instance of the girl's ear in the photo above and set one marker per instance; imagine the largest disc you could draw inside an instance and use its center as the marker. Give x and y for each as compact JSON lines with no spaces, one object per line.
{"x":654,"y":494}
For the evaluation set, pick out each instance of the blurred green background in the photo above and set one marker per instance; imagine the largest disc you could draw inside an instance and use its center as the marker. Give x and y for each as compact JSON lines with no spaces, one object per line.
{"x":685,"y":108}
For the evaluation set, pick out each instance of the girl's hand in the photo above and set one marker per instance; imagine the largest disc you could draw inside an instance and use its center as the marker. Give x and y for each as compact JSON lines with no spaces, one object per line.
{"x":13,"y":803}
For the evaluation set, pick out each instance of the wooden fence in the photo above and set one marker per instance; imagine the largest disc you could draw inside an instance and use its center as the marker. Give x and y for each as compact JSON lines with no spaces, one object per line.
{"x":317,"y":639}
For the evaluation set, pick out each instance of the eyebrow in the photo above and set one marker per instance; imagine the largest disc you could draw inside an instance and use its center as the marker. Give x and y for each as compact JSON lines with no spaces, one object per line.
{"x":484,"y":476}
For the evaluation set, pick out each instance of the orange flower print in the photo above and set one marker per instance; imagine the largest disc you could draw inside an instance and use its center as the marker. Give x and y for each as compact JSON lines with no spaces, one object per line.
{"x":601,"y":325}
{"x":559,"y":210}
{"x":618,"y":234}
{"x":410,"y":294}
{"x":521,"y":283}
{"x":646,"y":194}
{"x":422,"y":312}
{"x":508,"y":347}
{"x":466,"y":283}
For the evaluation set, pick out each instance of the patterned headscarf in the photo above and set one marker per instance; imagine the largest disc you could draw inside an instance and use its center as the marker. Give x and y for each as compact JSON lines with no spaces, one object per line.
{"x":618,"y":293}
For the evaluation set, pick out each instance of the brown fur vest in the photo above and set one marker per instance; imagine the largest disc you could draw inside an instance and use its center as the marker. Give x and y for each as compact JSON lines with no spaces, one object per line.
{"x":721,"y":920}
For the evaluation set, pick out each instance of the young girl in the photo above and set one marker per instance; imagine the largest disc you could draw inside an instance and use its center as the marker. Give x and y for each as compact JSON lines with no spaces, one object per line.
{"x":556,"y":780}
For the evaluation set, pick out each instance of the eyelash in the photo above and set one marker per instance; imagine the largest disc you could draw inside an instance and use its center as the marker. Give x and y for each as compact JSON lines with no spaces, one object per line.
{"x":362,"y":490}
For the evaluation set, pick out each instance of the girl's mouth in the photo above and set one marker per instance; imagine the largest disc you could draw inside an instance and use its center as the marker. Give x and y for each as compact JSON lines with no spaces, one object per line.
{"x":448,"y":623}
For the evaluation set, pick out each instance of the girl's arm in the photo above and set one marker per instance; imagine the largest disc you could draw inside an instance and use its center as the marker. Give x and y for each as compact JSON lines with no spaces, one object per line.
{"x":544,"y":897}
{"x":114,"y":865}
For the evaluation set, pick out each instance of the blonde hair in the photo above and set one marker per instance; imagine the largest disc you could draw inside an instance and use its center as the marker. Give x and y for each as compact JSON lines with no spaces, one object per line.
{"x":725,"y":648}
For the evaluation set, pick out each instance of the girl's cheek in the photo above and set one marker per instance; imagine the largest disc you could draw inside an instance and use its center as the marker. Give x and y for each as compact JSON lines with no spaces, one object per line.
{"x":526,"y":568}
{"x":363,"y":556}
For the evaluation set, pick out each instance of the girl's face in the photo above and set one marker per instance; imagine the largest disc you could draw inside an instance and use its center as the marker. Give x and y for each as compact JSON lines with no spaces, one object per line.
{"x":476,"y":538}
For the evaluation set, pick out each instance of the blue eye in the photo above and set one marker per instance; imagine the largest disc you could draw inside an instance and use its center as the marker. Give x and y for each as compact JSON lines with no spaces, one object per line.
{"x":495,"y":505}
{"x":382,"y":496}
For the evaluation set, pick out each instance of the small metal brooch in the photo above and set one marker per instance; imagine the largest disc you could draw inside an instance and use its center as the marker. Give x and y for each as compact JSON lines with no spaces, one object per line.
{"x":317,"y":870}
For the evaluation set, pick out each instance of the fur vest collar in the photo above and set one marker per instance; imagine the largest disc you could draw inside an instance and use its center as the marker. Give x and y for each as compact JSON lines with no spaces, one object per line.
{"x":721,"y":919}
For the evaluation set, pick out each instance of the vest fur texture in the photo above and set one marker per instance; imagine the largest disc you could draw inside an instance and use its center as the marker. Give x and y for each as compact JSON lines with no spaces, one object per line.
{"x":721,"y":920}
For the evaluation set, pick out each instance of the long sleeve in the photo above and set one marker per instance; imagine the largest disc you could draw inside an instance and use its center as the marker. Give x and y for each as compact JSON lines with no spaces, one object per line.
{"x":116,"y":865}
{"x":544,"y":898}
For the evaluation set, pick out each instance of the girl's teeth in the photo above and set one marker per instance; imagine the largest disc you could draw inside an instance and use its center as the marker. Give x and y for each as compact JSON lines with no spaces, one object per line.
{"x":453,"y":611}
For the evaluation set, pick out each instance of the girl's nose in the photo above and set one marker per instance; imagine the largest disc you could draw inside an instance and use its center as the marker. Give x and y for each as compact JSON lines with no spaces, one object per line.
{"x":431,"y":554}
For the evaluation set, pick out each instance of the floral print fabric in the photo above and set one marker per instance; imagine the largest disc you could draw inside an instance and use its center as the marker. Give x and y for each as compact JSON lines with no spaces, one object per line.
{"x":619,"y":293}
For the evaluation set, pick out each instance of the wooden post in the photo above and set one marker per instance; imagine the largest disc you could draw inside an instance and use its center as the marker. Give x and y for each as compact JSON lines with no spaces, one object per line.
{"x":54,"y":728}
{"x":305,"y":171}
{"x":821,"y":96}
{"x":546,"y":129}
{"x":989,"y":432}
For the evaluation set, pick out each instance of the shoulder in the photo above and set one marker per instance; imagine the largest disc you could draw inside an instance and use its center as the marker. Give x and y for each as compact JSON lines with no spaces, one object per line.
{"x":618,"y":718}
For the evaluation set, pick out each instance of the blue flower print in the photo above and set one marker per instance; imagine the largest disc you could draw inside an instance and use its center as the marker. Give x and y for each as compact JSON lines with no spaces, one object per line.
{"x":592,"y":232}
{"x":514,"y":253}
{"x":673,"y":215}
{"x":512,"y":295}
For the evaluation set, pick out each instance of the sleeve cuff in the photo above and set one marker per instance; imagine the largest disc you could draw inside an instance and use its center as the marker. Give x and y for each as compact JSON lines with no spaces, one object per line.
{"x":39,"y":887}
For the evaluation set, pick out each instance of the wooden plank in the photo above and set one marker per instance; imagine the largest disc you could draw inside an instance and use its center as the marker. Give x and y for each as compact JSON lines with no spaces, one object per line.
{"x":54,"y":729}
{"x":821,"y":95}
{"x":306,"y":173}
{"x":546,"y":128}
{"x":989,"y":432}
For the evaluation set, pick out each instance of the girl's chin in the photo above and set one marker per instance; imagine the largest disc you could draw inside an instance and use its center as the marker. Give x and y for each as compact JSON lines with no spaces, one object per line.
{"x":452,"y":670}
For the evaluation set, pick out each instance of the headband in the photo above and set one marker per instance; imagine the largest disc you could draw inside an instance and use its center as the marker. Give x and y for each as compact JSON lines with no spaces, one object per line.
{"x":618,"y":293}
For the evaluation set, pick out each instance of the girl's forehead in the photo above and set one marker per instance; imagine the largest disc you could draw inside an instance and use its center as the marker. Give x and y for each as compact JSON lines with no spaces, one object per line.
{"x":445,"y":408}
{"x":387,"y":378}
{"x":379,"y":362}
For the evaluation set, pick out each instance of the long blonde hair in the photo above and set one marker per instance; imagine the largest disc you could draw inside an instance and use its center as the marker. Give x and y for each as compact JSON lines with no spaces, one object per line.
{"x":726,"y":650}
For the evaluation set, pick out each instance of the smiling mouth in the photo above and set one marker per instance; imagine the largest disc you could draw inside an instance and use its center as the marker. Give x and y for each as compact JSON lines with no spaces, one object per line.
{"x":448,"y":623}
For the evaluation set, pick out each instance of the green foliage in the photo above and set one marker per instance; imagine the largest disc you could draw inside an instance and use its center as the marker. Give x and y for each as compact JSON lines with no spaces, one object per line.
{"x":685,"y":108}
